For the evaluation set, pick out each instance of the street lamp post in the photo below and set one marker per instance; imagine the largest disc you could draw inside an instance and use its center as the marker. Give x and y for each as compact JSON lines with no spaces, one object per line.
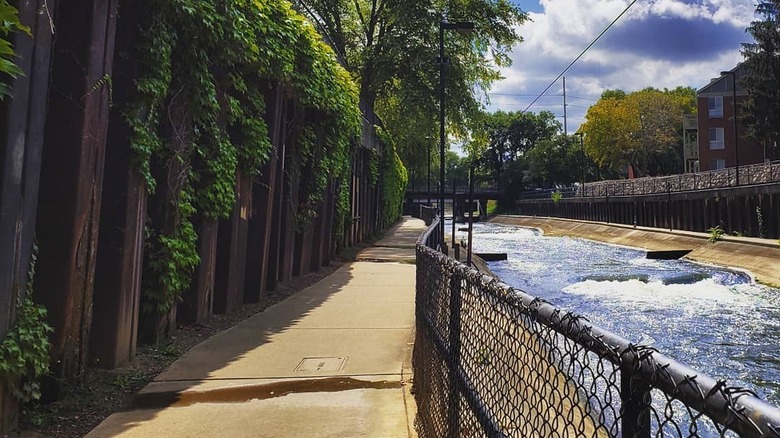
{"x":734,"y":103}
{"x":463,"y":27}
{"x":428,"y":146}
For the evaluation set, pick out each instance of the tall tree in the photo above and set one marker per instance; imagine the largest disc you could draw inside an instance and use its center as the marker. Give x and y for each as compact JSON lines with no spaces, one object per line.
{"x":641,"y":129}
{"x":501,"y":142}
{"x":762,"y":65}
{"x":558,"y":161}
{"x":390,"y":47}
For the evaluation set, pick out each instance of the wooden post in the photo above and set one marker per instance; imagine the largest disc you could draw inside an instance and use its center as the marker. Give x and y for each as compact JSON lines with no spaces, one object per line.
{"x":22,"y":117}
{"x":119,"y":265}
{"x":328,"y":248}
{"x":117,"y":290}
{"x":260,"y":231}
{"x":231,"y":251}
{"x":318,"y":231}
{"x":197,"y":301}
{"x":72,"y":177}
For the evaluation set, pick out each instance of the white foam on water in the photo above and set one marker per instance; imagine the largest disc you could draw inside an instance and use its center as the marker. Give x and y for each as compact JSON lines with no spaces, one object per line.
{"x":701,"y":297}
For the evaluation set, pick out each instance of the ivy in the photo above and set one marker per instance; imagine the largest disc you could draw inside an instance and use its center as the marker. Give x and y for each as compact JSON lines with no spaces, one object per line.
{"x":373,"y":167}
{"x":24,"y":353}
{"x":198,"y":106}
{"x":394,"y":178}
{"x":9,"y":23}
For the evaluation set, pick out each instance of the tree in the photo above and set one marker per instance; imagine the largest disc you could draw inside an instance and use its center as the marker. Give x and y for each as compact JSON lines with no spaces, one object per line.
{"x":641,"y":129}
{"x":456,"y":168}
{"x":501,"y":142}
{"x":558,"y":161}
{"x":390,"y":47}
{"x":762,"y":65}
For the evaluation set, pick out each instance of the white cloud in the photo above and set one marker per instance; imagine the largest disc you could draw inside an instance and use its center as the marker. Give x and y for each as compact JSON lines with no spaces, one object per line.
{"x":556,"y":36}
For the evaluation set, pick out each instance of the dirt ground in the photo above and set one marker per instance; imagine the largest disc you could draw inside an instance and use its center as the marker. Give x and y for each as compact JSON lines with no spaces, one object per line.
{"x":101,"y":392}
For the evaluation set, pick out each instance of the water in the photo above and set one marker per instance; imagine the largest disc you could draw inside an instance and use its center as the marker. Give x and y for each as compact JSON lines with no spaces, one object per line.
{"x":715,"y":320}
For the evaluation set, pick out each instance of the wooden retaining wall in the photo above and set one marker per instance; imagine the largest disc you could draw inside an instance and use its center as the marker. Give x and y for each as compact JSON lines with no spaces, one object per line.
{"x":22,"y":121}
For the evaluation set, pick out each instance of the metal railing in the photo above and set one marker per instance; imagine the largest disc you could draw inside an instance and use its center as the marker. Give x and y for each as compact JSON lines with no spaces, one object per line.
{"x":714,"y":179}
{"x":493,"y":361}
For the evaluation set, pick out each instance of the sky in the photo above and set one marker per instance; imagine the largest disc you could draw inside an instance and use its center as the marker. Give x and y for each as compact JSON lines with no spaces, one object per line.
{"x":658,"y":43}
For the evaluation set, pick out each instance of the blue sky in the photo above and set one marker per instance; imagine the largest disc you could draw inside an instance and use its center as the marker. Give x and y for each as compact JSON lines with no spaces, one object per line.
{"x":658,"y":43}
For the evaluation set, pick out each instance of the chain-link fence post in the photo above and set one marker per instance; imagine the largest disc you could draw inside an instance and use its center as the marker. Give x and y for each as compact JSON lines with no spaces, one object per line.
{"x":635,"y":397}
{"x":454,"y":357}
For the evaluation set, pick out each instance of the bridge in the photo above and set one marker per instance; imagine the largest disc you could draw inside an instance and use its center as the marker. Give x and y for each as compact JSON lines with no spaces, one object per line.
{"x":416,"y":198}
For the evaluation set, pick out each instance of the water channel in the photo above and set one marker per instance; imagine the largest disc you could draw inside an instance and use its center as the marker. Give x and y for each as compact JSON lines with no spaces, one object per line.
{"x":713,"y":319}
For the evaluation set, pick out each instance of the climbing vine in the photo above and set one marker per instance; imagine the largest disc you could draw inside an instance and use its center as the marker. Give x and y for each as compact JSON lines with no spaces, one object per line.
{"x":197,"y":116}
{"x":9,"y":23}
{"x":393,"y":177}
{"x":24,"y":353}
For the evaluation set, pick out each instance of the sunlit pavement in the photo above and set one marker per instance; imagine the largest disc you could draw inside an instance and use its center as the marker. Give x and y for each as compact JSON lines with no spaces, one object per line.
{"x":331,"y":361}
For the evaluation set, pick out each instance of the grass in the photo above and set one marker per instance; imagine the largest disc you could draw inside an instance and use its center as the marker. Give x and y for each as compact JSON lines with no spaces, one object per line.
{"x":716,"y":233}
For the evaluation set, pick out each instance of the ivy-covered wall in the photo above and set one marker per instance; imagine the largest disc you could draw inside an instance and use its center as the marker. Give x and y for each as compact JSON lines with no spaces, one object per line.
{"x":198,"y":117}
{"x":393,"y":179}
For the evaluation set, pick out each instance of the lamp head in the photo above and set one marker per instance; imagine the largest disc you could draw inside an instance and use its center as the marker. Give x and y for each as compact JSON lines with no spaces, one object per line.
{"x":462,"y":27}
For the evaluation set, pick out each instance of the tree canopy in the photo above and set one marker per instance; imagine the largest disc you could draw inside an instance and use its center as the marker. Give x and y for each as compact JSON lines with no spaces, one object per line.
{"x":762,"y":64}
{"x":559,"y":161}
{"x":641,"y":129}
{"x":390,"y":48}
{"x":501,"y":142}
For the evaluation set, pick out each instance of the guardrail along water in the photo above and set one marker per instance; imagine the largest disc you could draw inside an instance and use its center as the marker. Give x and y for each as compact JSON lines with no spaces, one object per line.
{"x":491,"y":360}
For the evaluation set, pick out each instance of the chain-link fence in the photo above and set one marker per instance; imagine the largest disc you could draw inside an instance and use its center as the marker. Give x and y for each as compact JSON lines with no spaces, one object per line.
{"x":493,"y":361}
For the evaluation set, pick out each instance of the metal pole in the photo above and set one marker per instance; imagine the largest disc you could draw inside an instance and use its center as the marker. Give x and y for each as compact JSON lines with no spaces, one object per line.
{"x":736,"y":137}
{"x":582,"y":161}
{"x":634,"y":404}
{"x":441,"y":128}
{"x":430,"y":204}
{"x":565,"y":119}
{"x":454,"y":211}
{"x":471,"y":212}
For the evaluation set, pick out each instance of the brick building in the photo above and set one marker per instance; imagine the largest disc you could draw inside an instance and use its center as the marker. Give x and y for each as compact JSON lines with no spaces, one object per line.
{"x":716,"y":125}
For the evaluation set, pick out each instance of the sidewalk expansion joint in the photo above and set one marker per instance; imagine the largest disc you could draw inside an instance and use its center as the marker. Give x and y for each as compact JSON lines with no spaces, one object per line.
{"x":399,"y":261}
{"x":242,"y":394}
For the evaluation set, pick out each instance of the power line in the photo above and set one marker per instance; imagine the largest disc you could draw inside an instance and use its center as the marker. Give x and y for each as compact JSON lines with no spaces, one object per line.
{"x":584,"y":98}
{"x":581,"y":54}
{"x":522,"y":95}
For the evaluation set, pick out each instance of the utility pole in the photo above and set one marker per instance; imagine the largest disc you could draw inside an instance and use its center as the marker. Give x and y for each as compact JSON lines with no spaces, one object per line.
{"x":565,"y":119}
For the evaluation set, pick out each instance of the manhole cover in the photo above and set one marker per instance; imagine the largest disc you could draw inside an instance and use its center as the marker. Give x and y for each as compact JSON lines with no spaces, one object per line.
{"x":314,"y":364}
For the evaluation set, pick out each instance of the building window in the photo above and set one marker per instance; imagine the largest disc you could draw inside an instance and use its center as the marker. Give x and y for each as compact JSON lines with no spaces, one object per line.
{"x":718,"y":164}
{"x":716,"y":138}
{"x":715,"y":105}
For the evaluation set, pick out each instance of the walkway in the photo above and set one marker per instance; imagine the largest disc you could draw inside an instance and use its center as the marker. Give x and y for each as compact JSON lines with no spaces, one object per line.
{"x":333,"y":360}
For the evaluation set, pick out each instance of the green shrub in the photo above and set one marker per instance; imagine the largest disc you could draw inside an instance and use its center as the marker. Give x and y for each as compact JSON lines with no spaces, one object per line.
{"x":492,"y":207}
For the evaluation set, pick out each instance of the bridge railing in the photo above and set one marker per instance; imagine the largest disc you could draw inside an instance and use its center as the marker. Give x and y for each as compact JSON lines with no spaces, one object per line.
{"x":493,"y":361}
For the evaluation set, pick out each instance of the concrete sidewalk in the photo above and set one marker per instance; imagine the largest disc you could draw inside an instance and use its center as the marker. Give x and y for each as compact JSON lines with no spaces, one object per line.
{"x":333,"y":360}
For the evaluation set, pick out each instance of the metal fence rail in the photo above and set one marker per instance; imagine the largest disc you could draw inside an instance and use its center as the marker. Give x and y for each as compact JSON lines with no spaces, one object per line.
{"x":764,"y":173}
{"x":493,"y":361}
